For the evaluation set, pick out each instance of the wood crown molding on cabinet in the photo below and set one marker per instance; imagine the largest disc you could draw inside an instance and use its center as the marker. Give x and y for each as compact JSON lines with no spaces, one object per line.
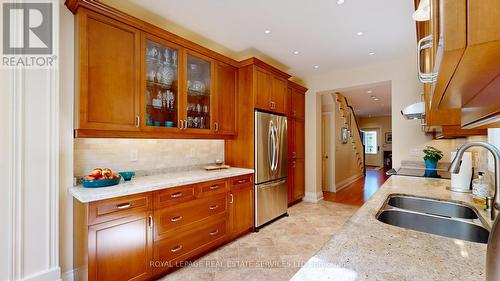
{"x":266,"y":66}
{"x":97,"y":6}
{"x":301,"y":89}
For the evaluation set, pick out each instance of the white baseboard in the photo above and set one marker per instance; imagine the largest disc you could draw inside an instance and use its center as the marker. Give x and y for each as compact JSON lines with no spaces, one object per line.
{"x":53,"y":274}
{"x":68,"y":275}
{"x":343,"y":184}
{"x":313,"y":197}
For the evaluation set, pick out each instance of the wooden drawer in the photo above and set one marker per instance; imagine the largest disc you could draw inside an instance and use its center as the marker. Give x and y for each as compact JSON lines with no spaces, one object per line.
{"x":210,"y":188}
{"x":242,"y":180}
{"x":190,"y":243}
{"x":169,"y":220}
{"x":115,"y":208}
{"x":173,"y":196}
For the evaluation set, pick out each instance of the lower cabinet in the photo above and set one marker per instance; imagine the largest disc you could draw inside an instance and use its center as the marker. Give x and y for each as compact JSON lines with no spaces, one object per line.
{"x":241,"y":208}
{"x":296,"y":178}
{"x":115,"y":256}
{"x":143,"y":236}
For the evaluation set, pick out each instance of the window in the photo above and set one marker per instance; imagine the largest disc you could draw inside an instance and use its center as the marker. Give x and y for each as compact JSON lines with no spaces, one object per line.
{"x":371,"y":146}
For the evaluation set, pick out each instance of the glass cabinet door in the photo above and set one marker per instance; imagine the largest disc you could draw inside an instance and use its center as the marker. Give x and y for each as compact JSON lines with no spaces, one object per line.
{"x":162,"y":85}
{"x":198,"y":92}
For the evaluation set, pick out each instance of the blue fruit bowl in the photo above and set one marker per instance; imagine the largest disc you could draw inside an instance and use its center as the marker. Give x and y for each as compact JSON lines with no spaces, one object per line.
{"x":127,"y":175}
{"x":100,"y":183}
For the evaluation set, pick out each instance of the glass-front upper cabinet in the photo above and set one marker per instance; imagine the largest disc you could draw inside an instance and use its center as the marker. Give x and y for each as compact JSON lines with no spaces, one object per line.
{"x":199,"y":91}
{"x":162,"y":85}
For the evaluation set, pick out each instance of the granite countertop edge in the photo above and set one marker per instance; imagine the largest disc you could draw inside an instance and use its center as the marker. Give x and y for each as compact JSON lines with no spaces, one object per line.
{"x":152,"y":183}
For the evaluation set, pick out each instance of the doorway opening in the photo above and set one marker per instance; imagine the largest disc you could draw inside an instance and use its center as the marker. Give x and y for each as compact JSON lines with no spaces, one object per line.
{"x":356,"y":128}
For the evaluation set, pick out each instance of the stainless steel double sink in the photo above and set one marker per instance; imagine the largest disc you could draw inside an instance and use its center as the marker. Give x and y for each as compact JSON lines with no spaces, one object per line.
{"x":444,"y":218}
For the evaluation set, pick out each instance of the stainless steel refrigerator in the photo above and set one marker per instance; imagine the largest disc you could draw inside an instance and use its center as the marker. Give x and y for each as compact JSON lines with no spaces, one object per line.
{"x":271,"y":149}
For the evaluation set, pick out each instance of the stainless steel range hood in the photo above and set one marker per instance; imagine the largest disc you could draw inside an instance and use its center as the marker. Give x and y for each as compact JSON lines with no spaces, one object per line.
{"x":414,"y":111}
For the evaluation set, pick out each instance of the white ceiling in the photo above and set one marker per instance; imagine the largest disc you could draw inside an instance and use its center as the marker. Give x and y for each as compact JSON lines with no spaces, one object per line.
{"x":363,"y":102}
{"x":322,"y":31}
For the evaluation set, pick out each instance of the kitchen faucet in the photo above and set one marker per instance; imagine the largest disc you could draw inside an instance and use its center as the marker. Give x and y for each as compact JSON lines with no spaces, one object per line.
{"x":493,"y":250}
{"x":455,"y":168}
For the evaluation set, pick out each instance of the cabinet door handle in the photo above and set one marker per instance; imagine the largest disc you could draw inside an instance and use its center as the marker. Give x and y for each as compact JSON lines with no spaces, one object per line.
{"x":241,"y":181}
{"x":150,"y":221}
{"x":213,"y":187}
{"x":124,"y":206}
{"x":176,"y":195}
{"x":216,"y":125}
{"x":137,"y":121}
{"x":176,"y":249}
{"x":180,"y":124}
{"x":215,"y":232}
{"x":231,"y":201}
{"x":175,"y":219}
{"x":185,"y":124}
{"x":213,"y":207}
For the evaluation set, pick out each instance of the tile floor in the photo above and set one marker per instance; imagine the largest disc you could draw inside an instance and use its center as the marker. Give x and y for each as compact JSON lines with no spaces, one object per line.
{"x":276,"y":252}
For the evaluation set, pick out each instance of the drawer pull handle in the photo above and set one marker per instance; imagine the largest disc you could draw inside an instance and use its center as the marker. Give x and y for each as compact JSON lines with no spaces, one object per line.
{"x":177,"y":218}
{"x":242,"y":181}
{"x":213,"y":207}
{"x":214,"y":187}
{"x":215,"y":232}
{"x":176,"y":249}
{"x":176,"y":195}
{"x":123,"y":206}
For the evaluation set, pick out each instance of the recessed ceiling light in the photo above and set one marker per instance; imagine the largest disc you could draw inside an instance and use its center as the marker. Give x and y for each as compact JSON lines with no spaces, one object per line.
{"x":340,"y":2}
{"x":316,"y":66}
{"x":371,"y":53}
{"x":359,"y":33}
{"x":267,"y":31}
{"x":369,"y":91}
{"x":296,"y":52}
{"x":376,"y":99}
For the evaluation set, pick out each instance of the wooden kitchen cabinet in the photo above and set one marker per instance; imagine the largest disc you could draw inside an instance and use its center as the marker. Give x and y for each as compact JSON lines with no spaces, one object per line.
{"x":108,"y":74}
{"x":226,"y":79}
{"x":271,"y":91}
{"x":120,"y":238}
{"x":241,"y":207}
{"x":296,"y":180}
{"x":135,"y":80}
{"x":113,"y":238}
{"x":121,"y":249}
{"x":296,"y":142}
{"x":463,"y":54}
{"x":278,"y":95}
{"x":297,"y":103}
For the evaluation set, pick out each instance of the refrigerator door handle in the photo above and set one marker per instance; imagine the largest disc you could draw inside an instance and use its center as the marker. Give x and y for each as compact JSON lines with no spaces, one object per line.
{"x":270,"y":147}
{"x":275,"y":151}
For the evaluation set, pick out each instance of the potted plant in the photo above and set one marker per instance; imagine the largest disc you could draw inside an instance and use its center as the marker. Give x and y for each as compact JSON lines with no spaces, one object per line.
{"x":432,"y":156}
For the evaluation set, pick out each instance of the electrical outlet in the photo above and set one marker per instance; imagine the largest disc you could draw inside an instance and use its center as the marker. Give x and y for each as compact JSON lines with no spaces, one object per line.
{"x":134,"y":155}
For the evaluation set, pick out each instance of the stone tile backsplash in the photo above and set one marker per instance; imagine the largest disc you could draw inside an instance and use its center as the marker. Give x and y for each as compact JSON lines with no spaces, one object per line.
{"x":152,"y":154}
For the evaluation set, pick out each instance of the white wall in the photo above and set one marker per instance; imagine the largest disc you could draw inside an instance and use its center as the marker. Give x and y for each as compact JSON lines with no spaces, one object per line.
{"x":28,"y":205}
{"x":4,"y":172}
{"x":66,"y":55}
{"x":406,"y":89}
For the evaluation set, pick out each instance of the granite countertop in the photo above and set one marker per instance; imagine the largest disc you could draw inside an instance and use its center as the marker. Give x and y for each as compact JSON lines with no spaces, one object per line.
{"x":367,"y":249}
{"x":153,"y":182}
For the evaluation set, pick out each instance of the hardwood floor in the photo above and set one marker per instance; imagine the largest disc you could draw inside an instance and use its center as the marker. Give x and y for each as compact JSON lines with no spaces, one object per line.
{"x":359,"y":191}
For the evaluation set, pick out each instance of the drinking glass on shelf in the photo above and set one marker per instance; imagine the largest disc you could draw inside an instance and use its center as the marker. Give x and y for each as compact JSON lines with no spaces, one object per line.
{"x":174,"y":57}
{"x":167,"y":56}
{"x":205,"y":109}
{"x":198,"y":108}
{"x":196,"y":122}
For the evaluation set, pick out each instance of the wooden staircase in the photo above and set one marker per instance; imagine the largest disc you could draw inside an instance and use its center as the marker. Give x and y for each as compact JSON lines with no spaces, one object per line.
{"x":354,"y":134}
